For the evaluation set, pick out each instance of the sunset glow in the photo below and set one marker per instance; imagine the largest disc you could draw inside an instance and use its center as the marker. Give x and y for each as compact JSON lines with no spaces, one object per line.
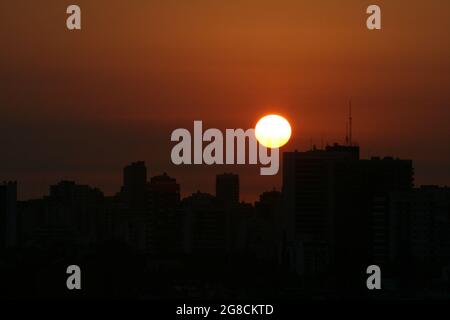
{"x":273,"y":131}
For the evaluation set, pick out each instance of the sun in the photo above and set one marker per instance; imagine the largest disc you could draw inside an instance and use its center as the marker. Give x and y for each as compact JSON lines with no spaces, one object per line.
{"x":273,"y":131}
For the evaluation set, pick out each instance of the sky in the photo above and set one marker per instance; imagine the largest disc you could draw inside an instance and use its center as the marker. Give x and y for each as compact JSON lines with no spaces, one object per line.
{"x":80,"y":105}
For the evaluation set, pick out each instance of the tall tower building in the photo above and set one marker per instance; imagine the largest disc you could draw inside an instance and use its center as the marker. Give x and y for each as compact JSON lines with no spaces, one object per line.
{"x":135,"y":175}
{"x":420,"y":226}
{"x":166,"y":229}
{"x":206,"y":226}
{"x":309,"y":179}
{"x":8,"y":214}
{"x":134,"y":189}
{"x":334,"y":205}
{"x":165,"y":191}
{"x":227,"y":189}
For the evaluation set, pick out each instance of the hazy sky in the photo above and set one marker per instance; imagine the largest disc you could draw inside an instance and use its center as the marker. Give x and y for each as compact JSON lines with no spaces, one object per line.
{"x":81,"y":105}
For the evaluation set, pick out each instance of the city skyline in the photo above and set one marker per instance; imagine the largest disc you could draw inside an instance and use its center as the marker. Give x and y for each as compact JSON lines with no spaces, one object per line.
{"x":78,"y":105}
{"x":203,"y":154}
{"x":219,"y":170}
{"x":336,"y":214}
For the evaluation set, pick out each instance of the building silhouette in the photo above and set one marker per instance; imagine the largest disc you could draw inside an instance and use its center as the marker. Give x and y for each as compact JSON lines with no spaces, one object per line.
{"x":165,"y":191}
{"x":381,"y":177}
{"x":146,"y":214}
{"x":266,"y":236}
{"x":420,"y":233}
{"x":134,"y":192}
{"x":336,"y":214}
{"x":8,"y":214}
{"x":309,"y":201}
{"x":206,"y":226}
{"x":227,"y":189}
{"x":69,"y":214}
{"x":166,"y":216}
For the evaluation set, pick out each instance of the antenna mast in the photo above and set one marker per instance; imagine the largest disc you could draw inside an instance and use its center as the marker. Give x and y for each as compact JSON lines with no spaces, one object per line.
{"x":350,"y":121}
{"x":346,"y":133}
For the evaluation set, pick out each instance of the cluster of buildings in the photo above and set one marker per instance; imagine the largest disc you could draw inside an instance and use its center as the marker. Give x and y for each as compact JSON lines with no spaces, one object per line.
{"x":147,"y":213}
{"x":343,"y":213}
{"x":335,"y":215}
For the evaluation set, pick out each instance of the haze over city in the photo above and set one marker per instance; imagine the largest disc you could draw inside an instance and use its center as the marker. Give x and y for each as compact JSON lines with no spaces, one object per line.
{"x":161,"y":65}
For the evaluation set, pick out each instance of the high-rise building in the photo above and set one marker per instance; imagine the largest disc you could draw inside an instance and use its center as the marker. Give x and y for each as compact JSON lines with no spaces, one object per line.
{"x":75,"y":207}
{"x":335,"y":207}
{"x":206,"y":225}
{"x":8,"y":214}
{"x":381,"y":177}
{"x":165,"y":191}
{"x":420,"y":236}
{"x":69,"y":214}
{"x":265,"y":234}
{"x":135,"y":175}
{"x":420,"y":224}
{"x":70,"y":193}
{"x":309,"y":179}
{"x":269,"y":205}
{"x":166,"y":216}
{"x":309,"y":199}
{"x":134,"y":192}
{"x":227,"y":189}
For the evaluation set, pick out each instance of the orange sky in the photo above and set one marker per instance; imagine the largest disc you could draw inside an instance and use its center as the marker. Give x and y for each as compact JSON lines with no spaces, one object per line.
{"x":80,"y":105}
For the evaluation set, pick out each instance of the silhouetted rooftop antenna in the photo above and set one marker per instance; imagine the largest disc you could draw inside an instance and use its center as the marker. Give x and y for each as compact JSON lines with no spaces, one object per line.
{"x":346,"y":133}
{"x":350,"y":121}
